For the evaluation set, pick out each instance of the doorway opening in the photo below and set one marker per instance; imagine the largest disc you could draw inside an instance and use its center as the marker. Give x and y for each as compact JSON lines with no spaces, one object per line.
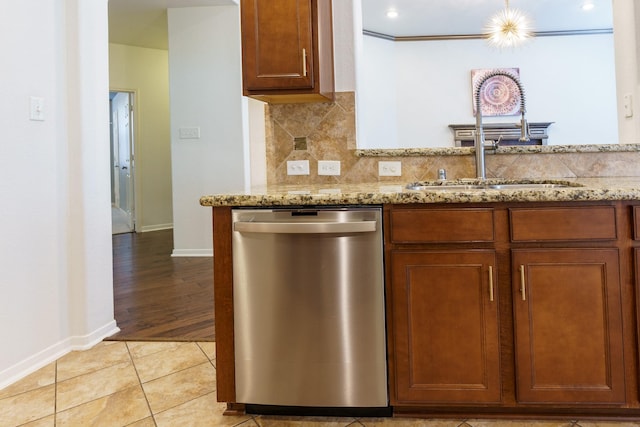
{"x":121,"y":124}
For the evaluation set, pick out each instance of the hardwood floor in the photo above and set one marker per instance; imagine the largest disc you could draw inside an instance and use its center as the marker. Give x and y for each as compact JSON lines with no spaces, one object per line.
{"x":157,"y":297}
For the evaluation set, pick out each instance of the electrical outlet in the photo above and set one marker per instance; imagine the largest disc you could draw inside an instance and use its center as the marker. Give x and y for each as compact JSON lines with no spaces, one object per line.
{"x":328,"y":167}
{"x":298,"y":167}
{"x":390,"y":168}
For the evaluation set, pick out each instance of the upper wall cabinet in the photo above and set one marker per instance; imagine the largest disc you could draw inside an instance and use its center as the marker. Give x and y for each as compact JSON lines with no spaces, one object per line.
{"x":287,"y":50}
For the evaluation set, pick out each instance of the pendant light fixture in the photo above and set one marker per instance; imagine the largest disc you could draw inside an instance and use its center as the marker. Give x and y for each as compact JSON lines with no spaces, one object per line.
{"x":509,"y":28}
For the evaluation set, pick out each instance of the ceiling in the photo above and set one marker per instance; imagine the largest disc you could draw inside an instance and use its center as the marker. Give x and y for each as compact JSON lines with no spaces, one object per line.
{"x":144,"y":22}
{"x":462,"y":17}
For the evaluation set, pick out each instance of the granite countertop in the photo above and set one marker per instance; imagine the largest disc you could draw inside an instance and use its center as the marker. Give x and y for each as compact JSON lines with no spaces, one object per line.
{"x":578,"y":189}
{"x":505,"y":149}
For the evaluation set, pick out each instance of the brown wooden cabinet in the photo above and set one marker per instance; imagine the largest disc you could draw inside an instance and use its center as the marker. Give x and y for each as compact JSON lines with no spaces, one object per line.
{"x":287,"y":50}
{"x":635,"y":245}
{"x":445,"y":307}
{"x":507,"y":306}
{"x":567,"y":305}
{"x":568,"y":326}
{"x":446,"y":327}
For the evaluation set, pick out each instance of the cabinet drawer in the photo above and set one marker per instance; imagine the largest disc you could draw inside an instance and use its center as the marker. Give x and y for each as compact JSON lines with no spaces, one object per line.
{"x":442,"y":225}
{"x":636,"y":222}
{"x":566,"y":223}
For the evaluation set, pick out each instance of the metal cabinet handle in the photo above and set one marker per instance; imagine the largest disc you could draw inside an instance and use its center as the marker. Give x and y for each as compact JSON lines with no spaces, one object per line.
{"x":490,"y":283}
{"x":523,"y":285}
{"x":304,"y":62}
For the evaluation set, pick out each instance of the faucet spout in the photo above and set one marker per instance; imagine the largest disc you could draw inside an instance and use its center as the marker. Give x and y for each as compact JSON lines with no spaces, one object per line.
{"x":524,"y":128}
{"x":479,"y":142}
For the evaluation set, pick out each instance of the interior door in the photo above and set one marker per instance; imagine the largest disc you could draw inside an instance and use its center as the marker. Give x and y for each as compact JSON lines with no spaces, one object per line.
{"x":123,"y":167}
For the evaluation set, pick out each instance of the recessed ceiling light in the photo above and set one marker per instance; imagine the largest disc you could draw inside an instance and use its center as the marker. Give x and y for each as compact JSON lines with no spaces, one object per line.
{"x":392,"y":13}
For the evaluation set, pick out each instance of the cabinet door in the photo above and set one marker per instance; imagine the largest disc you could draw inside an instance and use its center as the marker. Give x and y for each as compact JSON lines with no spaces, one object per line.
{"x":636,"y":262}
{"x":277,"y":43}
{"x":568,"y":326}
{"x":445,"y":327}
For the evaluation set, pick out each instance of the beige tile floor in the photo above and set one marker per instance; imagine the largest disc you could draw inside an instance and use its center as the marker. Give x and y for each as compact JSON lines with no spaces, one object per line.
{"x":145,"y":384}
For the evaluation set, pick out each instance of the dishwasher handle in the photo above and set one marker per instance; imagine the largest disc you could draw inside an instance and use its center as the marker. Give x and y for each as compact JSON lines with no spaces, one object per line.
{"x":305,"y":227}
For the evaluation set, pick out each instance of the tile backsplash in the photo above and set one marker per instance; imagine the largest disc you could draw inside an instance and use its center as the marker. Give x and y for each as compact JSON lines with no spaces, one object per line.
{"x":330,"y":131}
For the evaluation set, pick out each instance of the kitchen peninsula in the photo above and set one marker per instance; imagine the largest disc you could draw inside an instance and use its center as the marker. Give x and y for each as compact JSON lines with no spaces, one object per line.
{"x":534,"y":311}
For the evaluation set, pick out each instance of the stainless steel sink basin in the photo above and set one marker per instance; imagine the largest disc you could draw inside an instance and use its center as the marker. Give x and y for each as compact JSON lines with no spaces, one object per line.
{"x":488,"y":185}
{"x":540,"y":185}
{"x":447,"y":187}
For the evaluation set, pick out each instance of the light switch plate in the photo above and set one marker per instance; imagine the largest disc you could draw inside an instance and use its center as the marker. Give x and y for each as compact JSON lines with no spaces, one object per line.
{"x":189,"y":133}
{"x":628,"y":105}
{"x":36,"y":108}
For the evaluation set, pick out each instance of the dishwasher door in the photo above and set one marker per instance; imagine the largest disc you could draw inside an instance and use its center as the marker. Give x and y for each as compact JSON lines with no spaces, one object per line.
{"x":309,"y":307}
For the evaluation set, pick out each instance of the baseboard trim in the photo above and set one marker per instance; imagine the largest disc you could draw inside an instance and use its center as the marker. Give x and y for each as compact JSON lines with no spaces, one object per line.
{"x":192,"y":253}
{"x":54,"y":352}
{"x":156,"y":227}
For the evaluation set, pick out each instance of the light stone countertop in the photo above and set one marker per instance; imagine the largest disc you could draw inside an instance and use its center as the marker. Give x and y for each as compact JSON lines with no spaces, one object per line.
{"x":580,"y":189}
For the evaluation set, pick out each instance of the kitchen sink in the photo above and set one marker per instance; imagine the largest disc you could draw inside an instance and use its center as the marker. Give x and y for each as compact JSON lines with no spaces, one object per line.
{"x":445,"y":187}
{"x":460,"y":185}
{"x":525,"y":186}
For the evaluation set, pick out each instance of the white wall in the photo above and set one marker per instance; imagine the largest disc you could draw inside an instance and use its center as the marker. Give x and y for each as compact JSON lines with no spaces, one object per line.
{"x":206,"y":92}
{"x":568,"y":80}
{"x":378,"y":95}
{"x":55,"y":251}
{"x":430,"y":74}
{"x":626,"y":16}
{"x":345,"y":41}
{"x":255,"y":129}
{"x":146,"y":72}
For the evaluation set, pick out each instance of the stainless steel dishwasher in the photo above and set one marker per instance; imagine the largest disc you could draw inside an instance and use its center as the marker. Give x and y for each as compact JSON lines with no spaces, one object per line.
{"x":309,"y":307}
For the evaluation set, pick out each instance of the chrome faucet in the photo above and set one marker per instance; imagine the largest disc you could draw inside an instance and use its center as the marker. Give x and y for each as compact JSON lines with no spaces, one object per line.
{"x":479,"y":142}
